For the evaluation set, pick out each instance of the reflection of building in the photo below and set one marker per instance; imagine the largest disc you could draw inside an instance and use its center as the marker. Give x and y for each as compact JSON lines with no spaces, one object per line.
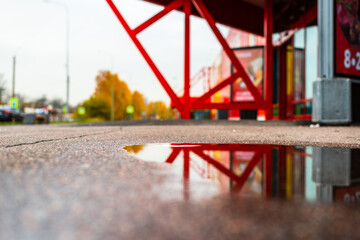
{"x":284,"y":172}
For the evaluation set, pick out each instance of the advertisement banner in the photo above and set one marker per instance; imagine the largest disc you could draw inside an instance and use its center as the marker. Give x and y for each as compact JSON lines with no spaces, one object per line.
{"x":252,"y":59}
{"x":347,"y":38}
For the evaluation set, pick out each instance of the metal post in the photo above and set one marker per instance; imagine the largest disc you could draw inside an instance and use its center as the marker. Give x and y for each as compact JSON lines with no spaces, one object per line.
{"x":67,"y":62}
{"x":112,"y":97}
{"x":13,"y":80}
{"x":112,"y":90}
{"x":326,"y":38}
{"x":187,"y":107}
{"x":268,"y":31}
{"x":331,"y":96}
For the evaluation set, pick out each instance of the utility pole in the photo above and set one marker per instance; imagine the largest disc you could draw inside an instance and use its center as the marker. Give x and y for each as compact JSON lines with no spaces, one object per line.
{"x":13,"y":80}
{"x":112,"y":89}
{"x":67,"y":61}
{"x":112,"y":97}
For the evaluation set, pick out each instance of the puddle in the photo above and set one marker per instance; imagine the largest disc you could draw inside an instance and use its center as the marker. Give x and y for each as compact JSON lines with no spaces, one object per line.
{"x":311,"y":174}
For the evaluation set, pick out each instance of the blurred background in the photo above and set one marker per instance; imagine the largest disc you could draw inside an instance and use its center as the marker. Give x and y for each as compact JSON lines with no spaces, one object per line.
{"x":44,"y":43}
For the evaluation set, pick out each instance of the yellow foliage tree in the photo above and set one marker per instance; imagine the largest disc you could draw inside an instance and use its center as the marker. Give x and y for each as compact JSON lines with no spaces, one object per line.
{"x":138,"y":101}
{"x":158,"y":110}
{"x":105,"y":82}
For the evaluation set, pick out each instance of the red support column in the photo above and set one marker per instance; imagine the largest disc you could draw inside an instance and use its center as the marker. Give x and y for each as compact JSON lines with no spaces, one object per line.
{"x":268,"y":31}
{"x":187,"y":108}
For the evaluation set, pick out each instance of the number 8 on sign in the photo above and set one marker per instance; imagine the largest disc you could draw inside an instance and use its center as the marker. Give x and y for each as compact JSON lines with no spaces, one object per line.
{"x":347,"y":61}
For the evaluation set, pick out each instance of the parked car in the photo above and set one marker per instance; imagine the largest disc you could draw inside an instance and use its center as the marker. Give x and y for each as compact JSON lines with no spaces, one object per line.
{"x":8,"y":114}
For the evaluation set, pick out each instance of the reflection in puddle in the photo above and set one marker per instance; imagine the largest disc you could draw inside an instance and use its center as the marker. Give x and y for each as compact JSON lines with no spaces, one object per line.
{"x":284,"y":172}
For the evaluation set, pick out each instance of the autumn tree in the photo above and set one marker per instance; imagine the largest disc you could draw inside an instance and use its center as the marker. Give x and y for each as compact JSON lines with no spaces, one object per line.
{"x":158,"y":110}
{"x":99,"y":104}
{"x":162,"y":110}
{"x":138,"y":101}
{"x":106,"y":82}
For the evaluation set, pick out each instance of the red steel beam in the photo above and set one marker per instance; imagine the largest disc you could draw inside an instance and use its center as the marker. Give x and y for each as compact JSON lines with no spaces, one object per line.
{"x":234,"y":105}
{"x":206,"y":15}
{"x":217,"y":88}
{"x":172,"y":6}
{"x":187,"y":107}
{"x":268,"y":31}
{"x":146,"y":56}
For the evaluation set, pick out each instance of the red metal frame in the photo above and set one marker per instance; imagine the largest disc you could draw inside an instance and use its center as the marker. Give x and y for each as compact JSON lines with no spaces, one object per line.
{"x":268,"y":31}
{"x":201,"y":103}
{"x":261,"y":153}
{"x":132,"y":34}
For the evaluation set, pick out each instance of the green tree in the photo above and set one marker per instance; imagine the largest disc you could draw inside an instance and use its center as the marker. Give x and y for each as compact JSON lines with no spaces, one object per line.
{"x":96,"y":107}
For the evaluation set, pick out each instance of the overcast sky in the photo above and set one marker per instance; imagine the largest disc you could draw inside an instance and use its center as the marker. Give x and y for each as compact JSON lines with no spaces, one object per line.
{"x":35,"y":31}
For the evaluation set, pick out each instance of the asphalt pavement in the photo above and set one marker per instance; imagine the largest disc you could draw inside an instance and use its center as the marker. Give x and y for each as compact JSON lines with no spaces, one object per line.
{"x":77,"y":182}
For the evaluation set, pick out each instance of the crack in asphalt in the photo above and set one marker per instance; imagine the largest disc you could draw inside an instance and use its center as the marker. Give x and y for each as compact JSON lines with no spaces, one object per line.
{"x":52,"y":140}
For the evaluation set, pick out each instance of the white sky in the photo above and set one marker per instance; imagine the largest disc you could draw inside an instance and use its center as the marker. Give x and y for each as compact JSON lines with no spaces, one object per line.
{"x":35,"y":31}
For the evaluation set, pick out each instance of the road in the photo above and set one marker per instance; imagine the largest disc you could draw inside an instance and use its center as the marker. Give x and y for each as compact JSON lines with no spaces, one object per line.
{"x":77,"y":182}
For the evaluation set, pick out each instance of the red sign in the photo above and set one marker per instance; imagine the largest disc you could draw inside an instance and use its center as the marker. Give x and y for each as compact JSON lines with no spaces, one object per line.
{"x":252,"y":59}
{"x":347,"y":42}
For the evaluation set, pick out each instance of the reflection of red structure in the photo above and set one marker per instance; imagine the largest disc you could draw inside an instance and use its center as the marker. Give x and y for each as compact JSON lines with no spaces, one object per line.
{"x":259,"y":152}
{"x":282,"y":168}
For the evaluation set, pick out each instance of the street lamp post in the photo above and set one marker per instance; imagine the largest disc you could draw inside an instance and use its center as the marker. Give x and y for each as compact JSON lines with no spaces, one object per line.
{"x":67,"y":53}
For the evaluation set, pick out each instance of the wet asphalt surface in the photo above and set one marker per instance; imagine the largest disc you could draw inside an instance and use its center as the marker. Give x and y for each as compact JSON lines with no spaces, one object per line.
{"x":76,"y":182}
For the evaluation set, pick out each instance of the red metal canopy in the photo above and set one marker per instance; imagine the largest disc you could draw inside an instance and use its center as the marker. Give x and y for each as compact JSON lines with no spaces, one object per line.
{"x":248,"y":15}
